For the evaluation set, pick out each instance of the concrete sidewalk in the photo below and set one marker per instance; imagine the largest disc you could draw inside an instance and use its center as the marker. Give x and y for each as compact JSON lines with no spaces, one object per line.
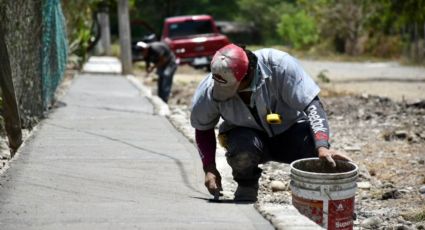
{"x":105,"y":161}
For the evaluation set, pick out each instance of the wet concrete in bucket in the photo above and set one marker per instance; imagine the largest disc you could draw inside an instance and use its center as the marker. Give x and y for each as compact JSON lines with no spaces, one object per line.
{"x":323,"y":166}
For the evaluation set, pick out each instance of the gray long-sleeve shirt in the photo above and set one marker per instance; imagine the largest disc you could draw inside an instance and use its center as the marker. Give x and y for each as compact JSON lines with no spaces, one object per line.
{"x":282,"y":87}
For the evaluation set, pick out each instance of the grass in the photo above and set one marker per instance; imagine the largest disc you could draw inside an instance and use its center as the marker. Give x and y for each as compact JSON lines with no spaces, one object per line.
{"x":115,"y":50}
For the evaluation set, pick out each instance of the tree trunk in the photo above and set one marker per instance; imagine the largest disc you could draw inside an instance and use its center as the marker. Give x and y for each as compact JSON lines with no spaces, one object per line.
{"x":423,"y":47}
{"x":105,"y":39}
{"x":11,"y":111}
{"x":125,"y":40}
{"x":416,"y":41}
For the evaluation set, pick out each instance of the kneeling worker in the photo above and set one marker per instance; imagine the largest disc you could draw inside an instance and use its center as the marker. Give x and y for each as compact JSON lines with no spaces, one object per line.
{"x":270,"y":110}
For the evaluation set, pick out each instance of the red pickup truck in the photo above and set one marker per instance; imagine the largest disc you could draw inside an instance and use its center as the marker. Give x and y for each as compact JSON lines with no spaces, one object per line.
{"x":194,"y":39}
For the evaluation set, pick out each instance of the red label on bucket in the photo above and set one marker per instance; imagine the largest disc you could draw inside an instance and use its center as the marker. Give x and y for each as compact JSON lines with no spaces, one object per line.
{"x":341,"y":214}
{"x":313,"y":209}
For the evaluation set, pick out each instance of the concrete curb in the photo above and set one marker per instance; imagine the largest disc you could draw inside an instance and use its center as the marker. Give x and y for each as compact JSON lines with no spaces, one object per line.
{"x":286,"y":217}
{"x":160,"y":107}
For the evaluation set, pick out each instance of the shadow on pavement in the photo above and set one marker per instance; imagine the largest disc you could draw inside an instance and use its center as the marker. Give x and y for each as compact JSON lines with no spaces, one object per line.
{"x":222,"y":200}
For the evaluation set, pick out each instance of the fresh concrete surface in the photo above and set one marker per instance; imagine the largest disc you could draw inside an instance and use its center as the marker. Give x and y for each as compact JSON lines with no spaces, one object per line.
{"x":103,"y":160}
{"x":106,"y":65}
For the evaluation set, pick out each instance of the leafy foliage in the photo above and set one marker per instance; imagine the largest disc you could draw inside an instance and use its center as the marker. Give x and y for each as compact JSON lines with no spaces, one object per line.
{"x":355,"y":27}
{"x":264,"y":15}
{"x":79,"y":16}
{"x":299,"y":29}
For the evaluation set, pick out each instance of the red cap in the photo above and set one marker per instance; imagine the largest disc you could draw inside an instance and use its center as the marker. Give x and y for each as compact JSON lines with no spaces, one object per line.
{"x":228,"y":67}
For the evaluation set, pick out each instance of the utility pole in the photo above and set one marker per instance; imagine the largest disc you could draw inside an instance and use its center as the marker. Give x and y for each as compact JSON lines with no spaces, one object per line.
{"x":105,"y":37}
{"x":10,"y":106}
{"x":124,"y":32}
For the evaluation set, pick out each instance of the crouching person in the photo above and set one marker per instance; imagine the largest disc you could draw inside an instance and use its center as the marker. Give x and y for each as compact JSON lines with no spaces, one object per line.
{"x":270,"y":110}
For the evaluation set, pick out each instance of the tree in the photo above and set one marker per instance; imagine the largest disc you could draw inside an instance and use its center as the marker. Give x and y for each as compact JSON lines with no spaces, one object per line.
{"x":265,"y":15}
{"x":10,"y":106}
{"x":298,"y":29}
{"x":80,"y":22}
{"x":345,"y":21}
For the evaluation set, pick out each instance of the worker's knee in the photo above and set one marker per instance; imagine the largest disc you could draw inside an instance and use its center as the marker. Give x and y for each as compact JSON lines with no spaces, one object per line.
{"x":245,"y":150}
{"x":243,"y":161}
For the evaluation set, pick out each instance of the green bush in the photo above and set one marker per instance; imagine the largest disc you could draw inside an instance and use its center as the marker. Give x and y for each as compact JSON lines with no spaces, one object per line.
{"x":298,"y":29}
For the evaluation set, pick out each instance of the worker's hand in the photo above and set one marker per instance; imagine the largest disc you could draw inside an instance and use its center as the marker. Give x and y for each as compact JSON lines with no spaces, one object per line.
{"x":213,"y":180}
{"x":331,"y":155}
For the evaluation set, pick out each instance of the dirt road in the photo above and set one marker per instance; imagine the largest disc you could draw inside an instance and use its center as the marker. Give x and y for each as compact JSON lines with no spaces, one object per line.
{"x":385,"y":79}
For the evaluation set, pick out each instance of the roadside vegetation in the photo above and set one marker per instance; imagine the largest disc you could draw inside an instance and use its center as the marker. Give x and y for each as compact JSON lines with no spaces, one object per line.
{"x":332,"y":29}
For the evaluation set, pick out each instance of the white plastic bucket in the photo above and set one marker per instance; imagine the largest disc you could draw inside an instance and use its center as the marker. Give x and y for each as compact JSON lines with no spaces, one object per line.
{"x":323,"y":193}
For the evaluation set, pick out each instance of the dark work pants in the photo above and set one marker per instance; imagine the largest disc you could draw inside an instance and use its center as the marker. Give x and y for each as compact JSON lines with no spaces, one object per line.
{"x":165,"y":80}
{"x":246,"y":148}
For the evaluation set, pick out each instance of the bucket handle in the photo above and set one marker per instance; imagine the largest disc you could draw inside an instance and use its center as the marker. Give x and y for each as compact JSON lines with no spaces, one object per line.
{"x":324,"y":189}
